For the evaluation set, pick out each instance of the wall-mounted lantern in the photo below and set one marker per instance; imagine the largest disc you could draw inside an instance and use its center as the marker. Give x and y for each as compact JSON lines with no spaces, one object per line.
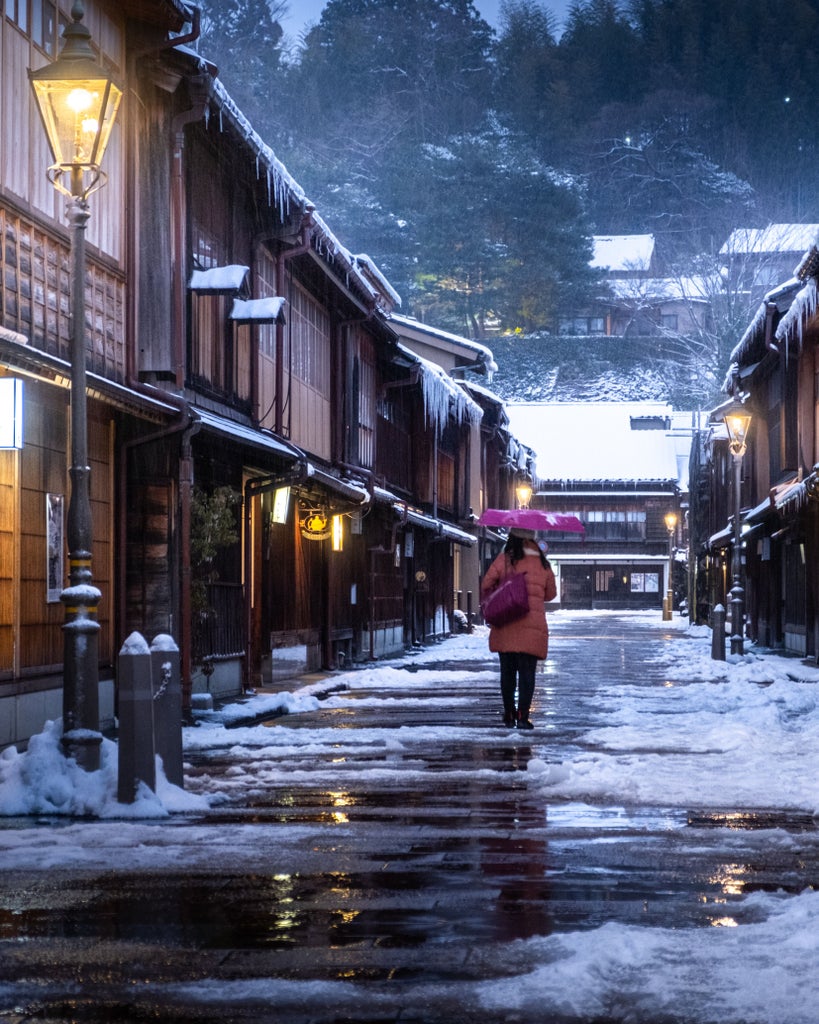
{"x":281,"y":505}
{"x":337,"y":531}
{"x":11,"y":412}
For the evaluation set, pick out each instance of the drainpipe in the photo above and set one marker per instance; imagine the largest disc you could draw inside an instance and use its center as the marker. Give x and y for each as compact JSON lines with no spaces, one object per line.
{"x":770,"y":310}
{"x":435,"y":473}
{"x":199,"y":89}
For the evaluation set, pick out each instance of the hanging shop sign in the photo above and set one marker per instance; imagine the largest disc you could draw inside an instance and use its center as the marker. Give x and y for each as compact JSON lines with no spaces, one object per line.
{"x":314,"y":523}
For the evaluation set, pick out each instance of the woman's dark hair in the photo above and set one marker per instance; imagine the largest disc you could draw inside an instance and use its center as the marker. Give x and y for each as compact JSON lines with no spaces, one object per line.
{"x":514,"y":548}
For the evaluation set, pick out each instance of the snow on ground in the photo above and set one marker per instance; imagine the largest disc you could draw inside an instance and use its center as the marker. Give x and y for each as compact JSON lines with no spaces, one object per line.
{"x":709,"y":737}
{"x":761,"y":973}
{"x":722,"y":735}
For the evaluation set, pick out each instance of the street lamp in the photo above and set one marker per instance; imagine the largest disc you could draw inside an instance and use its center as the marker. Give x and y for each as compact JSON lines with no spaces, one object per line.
{"x":670,"y":525}
{"x":524,"y":494}
{"x":78,"y":102}
{"x":737,"y":421}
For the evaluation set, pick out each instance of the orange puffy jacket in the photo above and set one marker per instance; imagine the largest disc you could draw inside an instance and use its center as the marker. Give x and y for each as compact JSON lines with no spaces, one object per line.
{"x":530,"y":634}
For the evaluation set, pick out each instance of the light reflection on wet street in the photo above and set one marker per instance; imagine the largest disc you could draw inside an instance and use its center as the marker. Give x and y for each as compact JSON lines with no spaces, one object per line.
{"x":400,"y":865}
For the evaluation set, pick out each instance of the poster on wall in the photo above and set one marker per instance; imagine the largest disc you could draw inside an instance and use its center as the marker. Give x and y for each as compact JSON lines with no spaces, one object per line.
{"x":638,"y":582}
{"x":55,"y":547}
{"x":652,"y":582}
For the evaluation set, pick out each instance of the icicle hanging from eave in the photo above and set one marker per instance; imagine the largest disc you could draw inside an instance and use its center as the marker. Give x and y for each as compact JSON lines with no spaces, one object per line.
{"x":753,"y":330}
{"x":802,"y":310}
{"x":795,"y":500}
{"x":281,"y":186}
{"x":442,"y":397}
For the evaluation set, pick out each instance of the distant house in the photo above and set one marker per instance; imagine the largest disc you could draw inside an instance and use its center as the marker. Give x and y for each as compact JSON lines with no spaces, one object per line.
{"x":625,"y":256}
{"x":620,"y":467}
{"x":757,"y":259}
{"x":636,"y":299}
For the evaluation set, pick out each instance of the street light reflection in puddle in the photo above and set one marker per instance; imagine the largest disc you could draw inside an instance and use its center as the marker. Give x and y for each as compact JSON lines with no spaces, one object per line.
{"x":341,"y":799}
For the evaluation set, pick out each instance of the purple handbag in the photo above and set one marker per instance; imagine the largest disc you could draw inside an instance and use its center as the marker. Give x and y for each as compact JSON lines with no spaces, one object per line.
{"x":508,"y":602}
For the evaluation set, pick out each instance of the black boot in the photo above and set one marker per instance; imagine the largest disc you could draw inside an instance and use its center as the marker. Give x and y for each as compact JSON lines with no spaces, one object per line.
{"x":523,"y":720}
{"x":509,"y":717}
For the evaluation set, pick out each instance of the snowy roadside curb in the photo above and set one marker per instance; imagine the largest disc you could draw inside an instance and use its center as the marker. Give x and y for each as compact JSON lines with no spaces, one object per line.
{"x":254,"y":708}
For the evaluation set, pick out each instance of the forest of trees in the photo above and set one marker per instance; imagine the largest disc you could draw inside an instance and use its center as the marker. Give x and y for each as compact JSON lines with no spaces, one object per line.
{"x":473,"y":166}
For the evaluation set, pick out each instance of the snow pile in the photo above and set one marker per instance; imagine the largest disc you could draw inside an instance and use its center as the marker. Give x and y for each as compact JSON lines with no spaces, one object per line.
{"x":263,"y":705}
{"x":44,"y":781}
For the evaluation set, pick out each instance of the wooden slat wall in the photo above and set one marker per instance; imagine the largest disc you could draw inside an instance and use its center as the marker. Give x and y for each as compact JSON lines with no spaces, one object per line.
{"x":43,"y":463}
{"x":42,"y":471}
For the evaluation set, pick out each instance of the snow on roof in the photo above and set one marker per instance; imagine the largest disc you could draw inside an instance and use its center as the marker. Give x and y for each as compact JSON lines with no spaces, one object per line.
{"x":479,"y":389}
{"x":749,"y":347}
{"x":440,"y":391}
{"x":260,"y":310}
{"x":368,"y":266}
{"x":219,"y":279}
{"x":663,"y":289}
{"x":284,"y":191}
{"x":775,"y":238}
{"x":594,"y":440}
{"x":485,"y":353}
{"x":622,"y":252}
{"x":802,"y":309}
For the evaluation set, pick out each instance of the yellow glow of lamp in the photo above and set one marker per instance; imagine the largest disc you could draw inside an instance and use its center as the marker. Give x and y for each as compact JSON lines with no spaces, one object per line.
{"x":670,"y":521}
{"x":338,"y":533}
{"x":738,"y":423}
{"x":11,"y":412}
{"x":524,"y":494}
{"x":78,"y":102}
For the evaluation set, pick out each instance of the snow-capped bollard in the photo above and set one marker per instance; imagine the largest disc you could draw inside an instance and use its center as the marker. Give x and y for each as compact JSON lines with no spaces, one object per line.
{"x":167,"y":706}
{"x":718,"y":633}
{"x":137,"y":761}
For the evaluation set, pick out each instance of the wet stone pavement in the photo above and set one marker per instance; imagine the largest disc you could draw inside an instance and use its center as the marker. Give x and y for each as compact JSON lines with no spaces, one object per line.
{"x":386,"y":881}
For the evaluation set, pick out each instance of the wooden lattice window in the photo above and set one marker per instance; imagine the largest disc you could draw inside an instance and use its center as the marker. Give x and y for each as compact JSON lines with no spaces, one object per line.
{"x":310,"y":341}
{"x":35,"y":297}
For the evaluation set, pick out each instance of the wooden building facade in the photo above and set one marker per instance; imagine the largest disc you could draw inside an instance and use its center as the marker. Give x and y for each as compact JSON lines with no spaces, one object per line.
{"x":773,"y":373}
{"x":277,"y":480}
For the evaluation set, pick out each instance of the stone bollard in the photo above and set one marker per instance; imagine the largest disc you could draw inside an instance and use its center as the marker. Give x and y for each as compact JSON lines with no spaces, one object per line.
{"x":137,"y":761}
{"x":718,"y":633}
{"x":167,"y":693}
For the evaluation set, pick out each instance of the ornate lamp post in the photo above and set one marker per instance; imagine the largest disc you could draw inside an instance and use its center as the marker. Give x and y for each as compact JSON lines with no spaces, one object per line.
{"x":78,"y":103}
{"x":668,"y":605}
{"x":737,"y":421}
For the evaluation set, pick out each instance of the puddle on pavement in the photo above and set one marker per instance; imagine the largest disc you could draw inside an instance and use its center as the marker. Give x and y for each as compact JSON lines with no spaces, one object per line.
{"x":754,"y":820}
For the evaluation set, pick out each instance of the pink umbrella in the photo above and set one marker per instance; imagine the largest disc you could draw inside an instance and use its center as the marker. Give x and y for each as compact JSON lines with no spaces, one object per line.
{"x":531,"y":519}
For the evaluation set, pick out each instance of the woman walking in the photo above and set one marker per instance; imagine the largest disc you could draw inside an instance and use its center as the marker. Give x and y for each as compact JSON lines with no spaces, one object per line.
{"x":521,"y":643}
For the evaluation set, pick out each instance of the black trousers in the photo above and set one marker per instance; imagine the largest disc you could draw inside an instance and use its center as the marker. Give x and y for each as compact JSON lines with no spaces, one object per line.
{"x":517,"y":672}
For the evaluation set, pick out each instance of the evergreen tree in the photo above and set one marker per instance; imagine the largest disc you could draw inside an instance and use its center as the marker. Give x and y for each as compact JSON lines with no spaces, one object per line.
{"x":243,"y":38}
